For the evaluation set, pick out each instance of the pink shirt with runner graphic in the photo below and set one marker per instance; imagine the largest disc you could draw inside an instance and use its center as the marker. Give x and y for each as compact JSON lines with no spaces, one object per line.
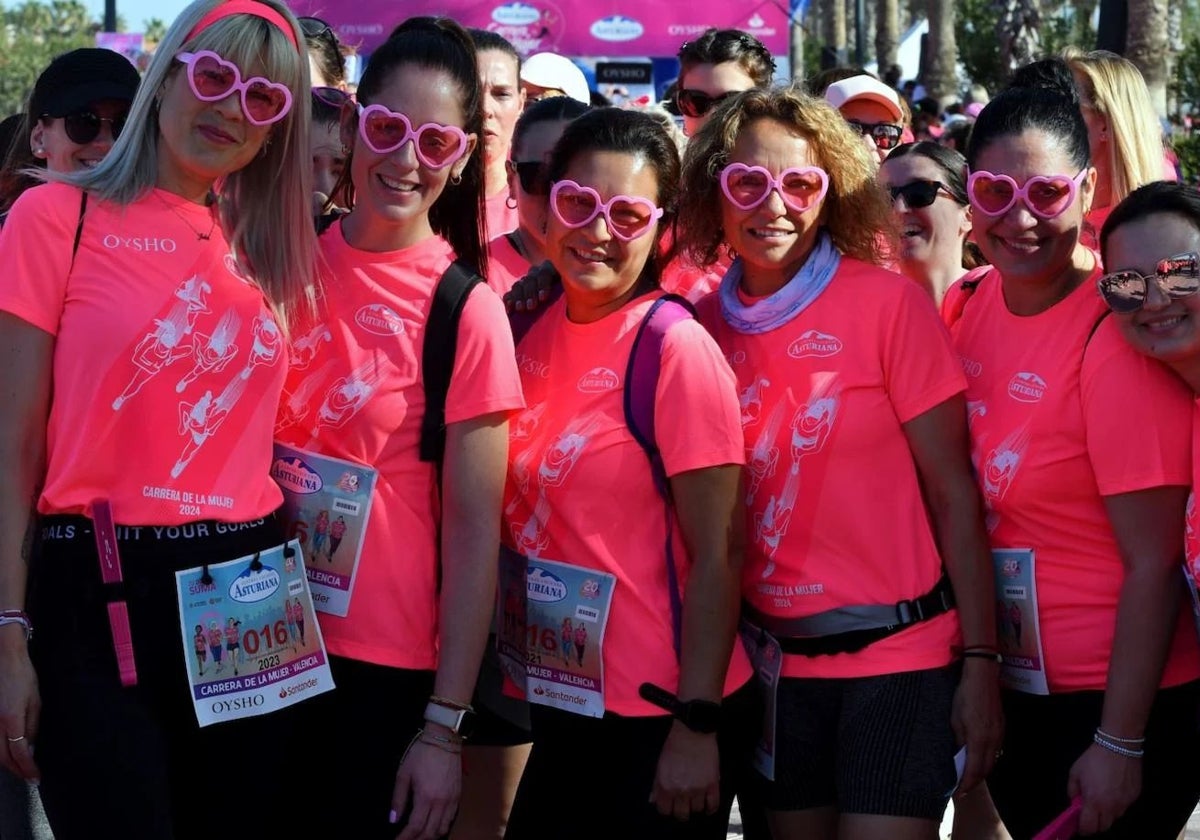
{"x":355,"y":391}
{"x":580,"y":489}
{"x":1053,"y":431}
{"x":167,"y":363}
{"x":833,"y":502}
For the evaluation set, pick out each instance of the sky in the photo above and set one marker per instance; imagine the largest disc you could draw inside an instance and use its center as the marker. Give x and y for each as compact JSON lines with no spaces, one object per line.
{"x":137,"y":11}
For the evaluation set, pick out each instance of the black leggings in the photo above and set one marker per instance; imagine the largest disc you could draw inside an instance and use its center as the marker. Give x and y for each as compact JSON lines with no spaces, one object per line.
{"x":1045,"y":735}
{"x":591,"y":777}
{"x":132,"y":762}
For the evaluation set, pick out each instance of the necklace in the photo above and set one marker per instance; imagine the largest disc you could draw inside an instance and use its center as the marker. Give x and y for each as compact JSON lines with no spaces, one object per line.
{"x":209,"y":201}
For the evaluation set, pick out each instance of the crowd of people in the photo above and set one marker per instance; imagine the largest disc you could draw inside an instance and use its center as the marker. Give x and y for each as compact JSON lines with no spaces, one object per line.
{"x":821,"y":454}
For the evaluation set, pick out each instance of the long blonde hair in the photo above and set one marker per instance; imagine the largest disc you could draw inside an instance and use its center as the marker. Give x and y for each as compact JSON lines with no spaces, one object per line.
{"x":1115,"y":88}
{"x":265,"y":206}
{"x":856,"y":211}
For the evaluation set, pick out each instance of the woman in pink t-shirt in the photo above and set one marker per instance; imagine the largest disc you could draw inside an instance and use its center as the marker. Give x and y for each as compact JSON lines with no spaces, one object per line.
{"x":655,"y":686}
{"x":406,"y":653}
{"x":510,"y":254}
{"x":859,"y":496}
{"x":141,"y":308}
{"x":1102,"y":693}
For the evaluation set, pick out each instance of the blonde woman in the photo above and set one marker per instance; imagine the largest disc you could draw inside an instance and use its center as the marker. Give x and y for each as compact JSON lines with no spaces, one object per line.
{"x":1124,"y":137}
{"x":142,"y":314}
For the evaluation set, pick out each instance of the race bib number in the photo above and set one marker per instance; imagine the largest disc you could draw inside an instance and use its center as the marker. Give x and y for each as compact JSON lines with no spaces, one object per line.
{"x":250,"y":636}
{"x":767,"y":659}
{"x":551,"y":634}
{"x":326,"y":504}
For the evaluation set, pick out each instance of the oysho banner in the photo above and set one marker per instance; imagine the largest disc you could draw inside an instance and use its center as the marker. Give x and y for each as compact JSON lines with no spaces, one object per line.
{"x":608,"y":28}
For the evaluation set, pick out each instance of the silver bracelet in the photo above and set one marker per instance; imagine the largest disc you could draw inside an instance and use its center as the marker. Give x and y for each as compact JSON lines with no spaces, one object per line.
{"x":1117,"y":748}
{"x":1137,"y":742}
{"x":17,"y":617}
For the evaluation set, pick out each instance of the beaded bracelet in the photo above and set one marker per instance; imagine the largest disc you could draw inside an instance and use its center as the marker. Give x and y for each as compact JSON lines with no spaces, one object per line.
{"x":1117,"y":748}
{"x":450,"y":704}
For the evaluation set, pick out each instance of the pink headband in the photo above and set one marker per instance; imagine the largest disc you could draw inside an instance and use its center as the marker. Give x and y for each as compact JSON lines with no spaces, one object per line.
{"x":245,"y":7}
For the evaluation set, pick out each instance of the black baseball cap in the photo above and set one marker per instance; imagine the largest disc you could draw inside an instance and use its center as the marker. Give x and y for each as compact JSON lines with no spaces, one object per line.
{"x":80,"y":77}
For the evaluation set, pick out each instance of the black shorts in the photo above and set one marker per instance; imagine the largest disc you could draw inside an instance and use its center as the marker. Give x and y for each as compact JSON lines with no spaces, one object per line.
{"x":865,"y":745}
{"x":1045,"y":735}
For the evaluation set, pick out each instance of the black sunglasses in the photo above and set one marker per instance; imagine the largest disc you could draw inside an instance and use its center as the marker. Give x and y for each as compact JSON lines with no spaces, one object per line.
{"x":314,"y":27}
{"x":697,"y":103}
{"x":82,"y":127}
{"x":331,"y":96}
{"x":531,"y":174}
{"x":885,"y":135}
{"x":1177,"y":277}
{"x":918,"y":194}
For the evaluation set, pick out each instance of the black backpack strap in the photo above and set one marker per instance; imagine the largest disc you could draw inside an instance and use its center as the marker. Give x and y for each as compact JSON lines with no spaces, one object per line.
{"x":437,"y":356}
{"x":325,"y":221}
{"x":79,"y":227}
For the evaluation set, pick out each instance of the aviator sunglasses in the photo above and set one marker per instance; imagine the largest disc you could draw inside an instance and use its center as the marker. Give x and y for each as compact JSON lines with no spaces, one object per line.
{"x":747,"y":187}
{"x":628,"y":216}
{"x":82,"y":127}
{"x":919,"y":193}
{"x":212,"y":78}
{"x":1177,"y":277}
{"x":886,"y":135}
{"x":697,"y":103}
{"x":1046,"y":196}
{"x":384,"y":131}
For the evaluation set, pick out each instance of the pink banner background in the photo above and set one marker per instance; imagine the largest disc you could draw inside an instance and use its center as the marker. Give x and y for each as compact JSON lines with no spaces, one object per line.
{"x":583,"y":28}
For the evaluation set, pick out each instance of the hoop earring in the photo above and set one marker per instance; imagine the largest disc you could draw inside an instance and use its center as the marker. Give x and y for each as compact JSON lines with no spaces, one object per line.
{"x":456,"y":179}
{"x":510,"y":202}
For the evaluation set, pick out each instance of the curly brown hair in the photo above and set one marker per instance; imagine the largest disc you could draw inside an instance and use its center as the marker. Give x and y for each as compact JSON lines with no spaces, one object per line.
{"x":856,"y":212}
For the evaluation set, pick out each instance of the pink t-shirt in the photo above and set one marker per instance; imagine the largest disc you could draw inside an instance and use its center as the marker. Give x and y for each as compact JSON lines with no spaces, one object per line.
{"x":356,"y":392}
{"x":505,"y":265}
{"x":167,"y":363}
{"x":500,"y":217}
{"x":1192,"y":530}
{"x":1053,"y":431}
{"x":684,"y":278}
{"x":580,"y":489}
{"x":834,"y":506}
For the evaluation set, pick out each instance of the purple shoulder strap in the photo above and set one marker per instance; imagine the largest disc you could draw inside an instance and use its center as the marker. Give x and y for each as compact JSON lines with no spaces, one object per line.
{"x":641,"y":386}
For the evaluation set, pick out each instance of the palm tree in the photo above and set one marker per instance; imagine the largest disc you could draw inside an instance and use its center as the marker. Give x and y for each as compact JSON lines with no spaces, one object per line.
{"x":1146,"y":45}
{"x":1018,"y":32}
{"x":887,"y":33}
{"x":941,"y":76}
{"x":833,"y":28}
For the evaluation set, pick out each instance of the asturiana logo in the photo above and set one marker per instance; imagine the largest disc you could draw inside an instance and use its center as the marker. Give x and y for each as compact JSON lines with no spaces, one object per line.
{"x":250,"y":586}
{"x":544,"y":587}
{"x":379,"y":319}
{"x":617,"y":28}
{"x":297,"y":476}
{"x":599,"y":379}
{"x":815,"y":343}
{"x":1027,"y":387}
{"x":516,"y":14}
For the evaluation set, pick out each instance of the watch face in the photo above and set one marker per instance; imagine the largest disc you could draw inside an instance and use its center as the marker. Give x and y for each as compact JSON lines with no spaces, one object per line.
{"x":466,"y":725}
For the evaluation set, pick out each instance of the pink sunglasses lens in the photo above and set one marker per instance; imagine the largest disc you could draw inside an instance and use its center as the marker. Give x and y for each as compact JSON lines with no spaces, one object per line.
{"x":991,"y":195}
{"x":1050,"y":198}
{"x":263,"y":102}
{"x":211,"y":78}
{"x":575,"y":207}
{"x":383,"y":132}
{"x":438,"y":147}
{"x":747,"y":188}
{"x":630,"y":218}
{"x":801,"y":189}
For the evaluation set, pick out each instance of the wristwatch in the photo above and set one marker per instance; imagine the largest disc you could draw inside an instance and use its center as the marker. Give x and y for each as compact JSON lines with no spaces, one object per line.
{"x":702,"y":716}
{"x":459,"y":721}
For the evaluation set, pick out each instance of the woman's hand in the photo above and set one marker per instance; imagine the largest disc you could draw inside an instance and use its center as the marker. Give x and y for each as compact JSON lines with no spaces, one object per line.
{"x":432,"y":776}
{"x":1108,"y":783}
{"x":688,"y":780}
{"x":977,"y":719}
{"x":20,"y":705}
{"x":532,"y":290}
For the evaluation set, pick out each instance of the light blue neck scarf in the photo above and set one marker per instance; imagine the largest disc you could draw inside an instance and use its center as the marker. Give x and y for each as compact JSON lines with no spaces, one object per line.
{"x":795,"y":296}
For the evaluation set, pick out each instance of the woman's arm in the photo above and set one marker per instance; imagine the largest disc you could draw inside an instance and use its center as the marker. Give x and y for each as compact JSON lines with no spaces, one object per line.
{"x":1148,"y":525}
{"x":26,"y":363}
{"x":938,"y":440}
{"x":472,"y":490}
{"x":712,"y":523}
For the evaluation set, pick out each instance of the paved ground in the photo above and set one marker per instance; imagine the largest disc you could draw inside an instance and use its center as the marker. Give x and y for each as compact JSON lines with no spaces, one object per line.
{"x":735,"y":825}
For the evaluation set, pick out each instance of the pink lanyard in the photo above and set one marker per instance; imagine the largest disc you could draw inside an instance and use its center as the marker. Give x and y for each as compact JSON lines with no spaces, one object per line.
{"x":110,"y":573}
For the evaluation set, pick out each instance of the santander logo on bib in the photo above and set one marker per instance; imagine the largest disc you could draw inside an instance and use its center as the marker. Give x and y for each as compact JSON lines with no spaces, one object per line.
{"x":599,"y":379}
{"x":1027,"y":387}
{"x":815,"y":343}
{"x":379,"y":319}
